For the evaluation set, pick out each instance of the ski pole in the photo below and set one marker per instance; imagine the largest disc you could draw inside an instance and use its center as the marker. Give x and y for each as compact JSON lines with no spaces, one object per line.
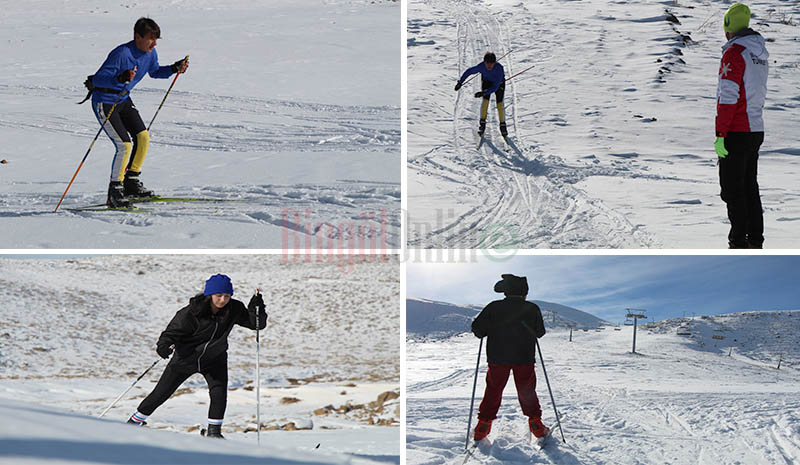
{"x":472,"y":402}
{"x":470,"y":78}
{"x":512,"y":77}
{"x":258,"y":375}
{"x":552,"y":400}
{"x":114,"y":106}
{"x":129,"y":388}
{"x":165,"y":96}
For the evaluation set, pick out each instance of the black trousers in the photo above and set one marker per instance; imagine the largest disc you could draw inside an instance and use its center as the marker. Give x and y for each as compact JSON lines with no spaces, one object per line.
{"x":174,"y":375}
{"x":126,"y":122}
{"x":737,"y":178}
{"x":501,"y":91}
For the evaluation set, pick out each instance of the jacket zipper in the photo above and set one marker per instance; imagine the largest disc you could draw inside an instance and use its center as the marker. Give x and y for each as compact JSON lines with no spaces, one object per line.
{"x":216,"y":323}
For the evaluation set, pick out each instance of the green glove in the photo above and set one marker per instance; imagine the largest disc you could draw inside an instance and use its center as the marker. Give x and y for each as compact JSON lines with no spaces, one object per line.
{"x":719,"y":147}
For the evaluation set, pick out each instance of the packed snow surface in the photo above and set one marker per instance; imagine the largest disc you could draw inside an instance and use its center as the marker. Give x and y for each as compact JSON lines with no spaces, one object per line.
{"x":289,"y":112}
{"x":677,"y":400}
{"x":611,"y":131}
{"x":81,"y":330}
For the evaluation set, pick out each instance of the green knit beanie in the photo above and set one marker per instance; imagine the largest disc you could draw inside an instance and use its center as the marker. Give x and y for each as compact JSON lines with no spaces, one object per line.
{"x":736,"y":18}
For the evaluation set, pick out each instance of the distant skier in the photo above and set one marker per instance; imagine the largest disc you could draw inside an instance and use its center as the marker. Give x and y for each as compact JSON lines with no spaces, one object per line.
{"x":124,"y":67}
{"x":511,"y":326}
{"x":198,"y":333}
{"x":741,"y":92}
{"x":492,"y":82}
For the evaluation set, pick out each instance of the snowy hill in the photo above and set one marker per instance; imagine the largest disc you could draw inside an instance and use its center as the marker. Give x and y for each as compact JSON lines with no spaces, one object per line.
{"x":762,"y":337}
{"x":278,"y":121}
{"x":611,"y":131}
{"x":82,"y":329}
{"x":672,"y":402}
{"x":431,"y":319}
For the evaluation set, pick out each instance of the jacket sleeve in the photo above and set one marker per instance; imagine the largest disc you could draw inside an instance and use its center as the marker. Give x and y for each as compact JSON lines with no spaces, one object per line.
{"x":159,"y":72}
{"x":247,"y":318}
{"x":729,"y":88}
{"x":469,"y":72}
{"x":482,"y":323}
{"x":538,"y":323}
{"x":106,"y":76}
{"x":179,"y":328}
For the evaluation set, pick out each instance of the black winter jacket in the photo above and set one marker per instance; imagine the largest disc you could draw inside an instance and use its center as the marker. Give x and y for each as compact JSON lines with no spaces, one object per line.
{"x":511,"y":324}
{"x":201,"y":337}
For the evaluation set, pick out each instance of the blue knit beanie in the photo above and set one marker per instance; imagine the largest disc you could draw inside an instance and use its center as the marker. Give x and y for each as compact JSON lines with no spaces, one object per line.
{"x":218,"y":284}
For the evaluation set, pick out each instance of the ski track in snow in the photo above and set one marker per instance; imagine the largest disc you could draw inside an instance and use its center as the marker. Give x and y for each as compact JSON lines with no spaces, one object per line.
{"x":670,"y":403}
{"x":524,"y":198}
{"x":617,"y":104}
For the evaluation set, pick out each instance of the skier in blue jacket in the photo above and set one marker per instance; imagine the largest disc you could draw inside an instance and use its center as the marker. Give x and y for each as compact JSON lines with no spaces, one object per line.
{"x":125,"y":66}
{"x":492,"y":82}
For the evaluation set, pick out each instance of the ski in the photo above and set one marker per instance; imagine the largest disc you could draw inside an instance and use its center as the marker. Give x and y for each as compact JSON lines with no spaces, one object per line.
{"x":480,"y":142}
{"x":154,"y":199}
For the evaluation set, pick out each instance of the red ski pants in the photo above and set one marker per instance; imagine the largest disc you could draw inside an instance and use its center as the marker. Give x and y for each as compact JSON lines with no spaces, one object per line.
{"x":496,"y":379}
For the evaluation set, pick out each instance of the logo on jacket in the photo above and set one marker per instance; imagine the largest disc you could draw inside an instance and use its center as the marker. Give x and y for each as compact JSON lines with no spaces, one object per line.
{"x":725,"y":68}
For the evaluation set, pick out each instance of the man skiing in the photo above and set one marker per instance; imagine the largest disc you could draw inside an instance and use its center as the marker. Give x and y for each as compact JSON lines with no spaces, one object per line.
{"x":198,"y":334}
{"x":511,"y":326}
{"x":492,"y":82}
{"x":741,"y":91}
{"x":124,"y":67}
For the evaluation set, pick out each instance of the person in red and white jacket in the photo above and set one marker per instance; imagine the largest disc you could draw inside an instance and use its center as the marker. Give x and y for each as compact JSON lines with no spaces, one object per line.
{"x":741,"y":92}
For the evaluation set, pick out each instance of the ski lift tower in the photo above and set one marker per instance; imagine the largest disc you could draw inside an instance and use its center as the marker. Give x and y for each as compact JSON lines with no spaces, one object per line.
{"x":635,"y":313}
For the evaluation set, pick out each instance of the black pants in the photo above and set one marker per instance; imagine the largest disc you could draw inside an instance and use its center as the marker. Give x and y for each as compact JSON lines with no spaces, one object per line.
{"x":737,"y":178}
{"x":501,"y":91}
{"x":174,"y":375}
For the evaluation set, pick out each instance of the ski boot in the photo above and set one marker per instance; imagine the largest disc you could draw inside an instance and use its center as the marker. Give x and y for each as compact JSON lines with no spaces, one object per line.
{"x":135,"y":419}
{"x":213,"y":431}
{"x":537,"y":428}
{"x":482,"y":429}
{"x":134,"y":187}
{"x":503,"y":129}
{"x":482,"y":127}
{"x":116,"y":196}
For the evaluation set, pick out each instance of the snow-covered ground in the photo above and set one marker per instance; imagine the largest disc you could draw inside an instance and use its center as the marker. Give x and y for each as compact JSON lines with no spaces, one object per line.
{"x":678,"y":400}
{"x":611,"y":131}
{"x":290,"y":108}
{"x":77,"y":332}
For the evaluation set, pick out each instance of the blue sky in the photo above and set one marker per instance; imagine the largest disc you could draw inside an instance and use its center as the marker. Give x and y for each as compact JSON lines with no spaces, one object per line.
{"x":605,"y":285}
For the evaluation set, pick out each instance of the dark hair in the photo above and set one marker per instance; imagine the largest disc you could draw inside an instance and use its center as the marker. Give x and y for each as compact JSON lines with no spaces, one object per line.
{"x":490,"y":58}
{"x":145,"y":26}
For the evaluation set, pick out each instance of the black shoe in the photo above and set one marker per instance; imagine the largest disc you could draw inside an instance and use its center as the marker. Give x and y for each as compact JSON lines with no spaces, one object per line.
{"x":116,"y":196}
{"x":503,"y":129}
{"x":482,"y":127}
{"x":214,"y":431}
{"x":131,"y":421}
{"x":134,"y":187}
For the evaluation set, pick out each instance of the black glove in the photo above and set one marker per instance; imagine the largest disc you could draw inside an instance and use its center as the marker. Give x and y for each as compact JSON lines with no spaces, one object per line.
{"x":458,"y":85}
{"x":177,"y":65}
{"x":479,"y":94}
{"x":164,"y":351}
{"x":126,"y":76}
{"x":256,"y":303}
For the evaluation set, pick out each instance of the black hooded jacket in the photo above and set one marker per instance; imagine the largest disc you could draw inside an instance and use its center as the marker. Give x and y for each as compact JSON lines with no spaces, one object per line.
{"x":201,"y":337}
{"x":512,"y":326}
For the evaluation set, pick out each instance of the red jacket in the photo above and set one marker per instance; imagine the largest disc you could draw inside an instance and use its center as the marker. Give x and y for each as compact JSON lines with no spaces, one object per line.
{"x":742,"y":86}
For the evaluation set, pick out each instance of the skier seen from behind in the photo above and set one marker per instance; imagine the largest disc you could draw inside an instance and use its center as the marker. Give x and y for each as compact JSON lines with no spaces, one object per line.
{"x":124,"y":67}
{"x":492,"y":82}
{"x":198,"y":333}
{"x":741,"y":91}
{"x":511,"y":327}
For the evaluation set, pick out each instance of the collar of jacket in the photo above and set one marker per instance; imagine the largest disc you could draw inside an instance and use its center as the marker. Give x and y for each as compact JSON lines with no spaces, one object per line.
{"x":199,"y":307}
{"x":743,"y":33}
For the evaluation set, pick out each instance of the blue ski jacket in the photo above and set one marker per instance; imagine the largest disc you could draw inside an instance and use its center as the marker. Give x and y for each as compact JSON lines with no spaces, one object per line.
{"x":496,"y":76}
{"x":125,"y":57}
